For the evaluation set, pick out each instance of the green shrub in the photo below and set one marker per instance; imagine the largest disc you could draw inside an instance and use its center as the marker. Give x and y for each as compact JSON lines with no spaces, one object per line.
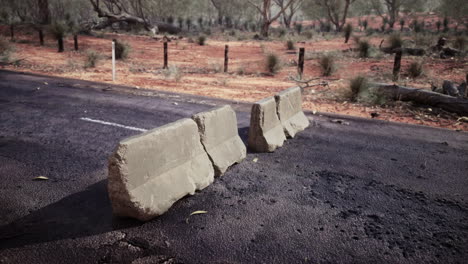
{"x":59,"y":29}
{"x":395,"y":41}
{"x":438,"y":25}
{"x":200,"y":22}
{"x":188,"y":22}
{"x":357,"y":85}
{"x":173,"y":72}
{"x":298,"y":27}
{"x":308,"y":34}
{"x":290,"y":45}
{"x":241,"y":70}
{"x":364,"y":48}
{"x":6,"y":48}
{"x":446,"y":23}
{"x":415,"y":69}
{"x":92,"y":58}
{"x":273,"y":63}
{"x":418,"y":27}
{"x":122,"y":50}
{"x":348,"y":30}
{"x":201,"y":40}
{"x":281,"y":32}
{"x":327,"y":64}
{"x":370,"y":32}
{"x":402,"y":24}
{"x":365,"y":23}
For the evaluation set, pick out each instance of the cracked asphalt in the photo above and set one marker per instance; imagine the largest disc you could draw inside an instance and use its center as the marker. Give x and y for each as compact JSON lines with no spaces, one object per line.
{"x":365,"y":191}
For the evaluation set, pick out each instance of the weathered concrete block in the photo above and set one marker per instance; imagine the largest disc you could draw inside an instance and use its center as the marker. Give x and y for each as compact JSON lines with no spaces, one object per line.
{"x":220,"y":137}
{"x":266,"y":132}
{"x":150,"y":172}
{"x":289,"y":107}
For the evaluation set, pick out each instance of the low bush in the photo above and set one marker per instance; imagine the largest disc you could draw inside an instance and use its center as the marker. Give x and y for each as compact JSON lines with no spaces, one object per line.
{"x":358,"y":85}
{"x":402,"y":24}
{"x":272,"y":63}
{"x":290,"y":45}
{"x":122,"y":50}
{"x":327,"y":64}
{"x":6,"y":48}
{"x":308,"y":34}
{"x":364,"y":48}
{"x":298,"y":27}
{"x":348,"y":30}
{"x":59,"y":29}
{"x":438,"y":25}
{"x":418,"y":27}
{"x":395,"y":41}
{"x":365,"y":23}
{"x":201,"y":40}
{"x":415,"y":69}
{"x":173,"y":72}
{"x":281,"y":32}
{"x":446,"y":23}
{"x":92,"y":58}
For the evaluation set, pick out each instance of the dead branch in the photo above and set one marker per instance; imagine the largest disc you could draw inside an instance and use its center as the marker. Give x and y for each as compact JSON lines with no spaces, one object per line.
{"x":426,"y":97}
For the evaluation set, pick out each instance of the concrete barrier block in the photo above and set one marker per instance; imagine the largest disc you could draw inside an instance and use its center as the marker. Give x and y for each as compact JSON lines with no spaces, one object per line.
{"x":148,"y":173}
{"x":266,"y":132}
{"x":220,"y":137}
{"x":289,"y":107}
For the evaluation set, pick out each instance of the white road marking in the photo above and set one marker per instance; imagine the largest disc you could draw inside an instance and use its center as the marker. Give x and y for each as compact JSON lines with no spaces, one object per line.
{"x":113,"y":124}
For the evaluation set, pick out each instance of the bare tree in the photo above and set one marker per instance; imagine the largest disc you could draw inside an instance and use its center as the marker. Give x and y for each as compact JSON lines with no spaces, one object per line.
{"x":132,"y":12}
{"x":122,"y":11}
{"x":391,"y":9}
{"x":337,"y":11}
{"x":289,"y":13}
{"x":388,"y":7}
{"x":235,"y":9}
{"x":264,"y":7}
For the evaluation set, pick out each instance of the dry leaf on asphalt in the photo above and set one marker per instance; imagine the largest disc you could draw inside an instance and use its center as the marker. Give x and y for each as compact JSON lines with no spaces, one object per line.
{"x":41,"y":178}
{"x":255,"y":160}
{"x":195,"y":213}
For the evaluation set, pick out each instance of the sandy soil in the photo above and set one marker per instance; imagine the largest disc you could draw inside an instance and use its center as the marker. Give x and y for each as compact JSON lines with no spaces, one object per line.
{"x":199,"y":71}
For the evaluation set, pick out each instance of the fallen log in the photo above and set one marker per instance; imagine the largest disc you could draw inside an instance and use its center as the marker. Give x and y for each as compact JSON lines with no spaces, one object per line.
{"x":406,"y":51}
{"x":449,"y":103}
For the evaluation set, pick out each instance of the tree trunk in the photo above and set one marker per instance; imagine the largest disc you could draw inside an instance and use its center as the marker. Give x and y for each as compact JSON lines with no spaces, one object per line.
{"x":12,"y":32}
{"x":75,"y":40}
{"x":60,"y":44}
{"x":44,"y":11}
{"x":41,"y":37}
{"x":397,"y":65}
{"x":265,"y":29}
{"x":426,"y":97}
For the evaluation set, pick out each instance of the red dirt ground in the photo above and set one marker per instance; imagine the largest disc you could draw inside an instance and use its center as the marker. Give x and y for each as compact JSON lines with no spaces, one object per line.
{"x":200,"y":71}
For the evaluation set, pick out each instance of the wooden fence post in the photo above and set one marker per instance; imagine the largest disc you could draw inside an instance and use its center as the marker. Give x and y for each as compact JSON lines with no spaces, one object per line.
{"x":113,"y":61}
{"x":75,"y":40}
{"x":166,"y":63}
{"x":226,"y":58}
{"x":300,"y":64}
{"x":397,"y":65}
{"x":41,"y":37}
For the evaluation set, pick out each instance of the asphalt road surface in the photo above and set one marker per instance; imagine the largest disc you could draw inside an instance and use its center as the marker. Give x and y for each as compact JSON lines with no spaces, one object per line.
{"x":364,"y":191}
